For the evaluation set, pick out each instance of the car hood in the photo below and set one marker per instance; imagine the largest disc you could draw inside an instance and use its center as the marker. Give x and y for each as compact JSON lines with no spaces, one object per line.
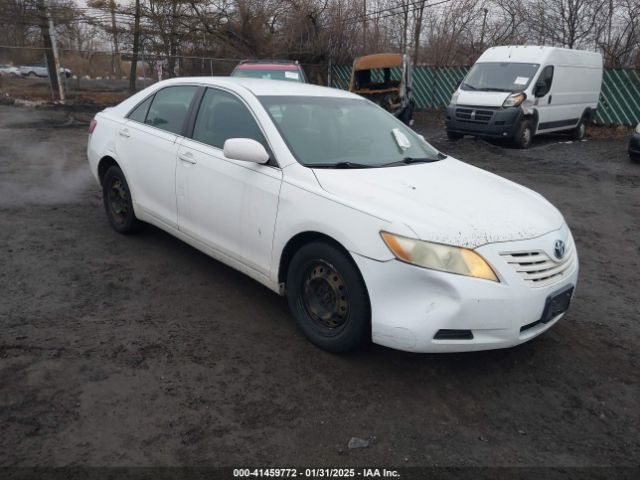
{"x":447,"y":201}
{"x":481,"y":99}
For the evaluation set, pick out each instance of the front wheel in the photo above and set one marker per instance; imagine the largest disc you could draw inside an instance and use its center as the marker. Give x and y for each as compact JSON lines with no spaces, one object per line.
{"x":524,"y":134}
{"x":328,"y":298}
{"x":116,"y":198}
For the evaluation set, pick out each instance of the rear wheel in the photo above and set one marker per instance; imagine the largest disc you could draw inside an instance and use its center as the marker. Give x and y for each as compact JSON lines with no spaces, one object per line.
{"x":328,"y":298}
{"x":116,"y":198}
{"x":580,"y":131}
{"x":524,"y":134}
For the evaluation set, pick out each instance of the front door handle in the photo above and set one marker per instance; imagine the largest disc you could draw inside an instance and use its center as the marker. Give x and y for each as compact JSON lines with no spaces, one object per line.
{"x":124,"y":133}
{"x":187,"y":157}
{"x":550,"y":97}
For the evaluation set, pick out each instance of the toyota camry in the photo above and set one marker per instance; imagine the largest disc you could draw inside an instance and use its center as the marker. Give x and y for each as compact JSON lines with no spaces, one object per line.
{"x":370,"y":232}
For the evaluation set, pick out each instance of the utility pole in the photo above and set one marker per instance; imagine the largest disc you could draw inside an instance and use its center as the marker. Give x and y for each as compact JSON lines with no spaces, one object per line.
{"x":115,"y":63}
{"x":50,"y":48}
{"x":405,"y":9}
{"x":133,"y":73}
{"x":484,"y":26}
{"x":364,"y":27}
{"x":56,"y":58}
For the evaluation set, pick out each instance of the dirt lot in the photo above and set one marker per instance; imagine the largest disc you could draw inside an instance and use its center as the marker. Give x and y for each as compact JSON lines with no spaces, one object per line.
{"x":142,"y":351}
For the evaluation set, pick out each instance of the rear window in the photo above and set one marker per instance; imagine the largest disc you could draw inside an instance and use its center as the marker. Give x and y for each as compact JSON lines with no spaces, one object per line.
{"x":139,"y":114}
{"x":269,"y":74}
{"x":169,"y":108}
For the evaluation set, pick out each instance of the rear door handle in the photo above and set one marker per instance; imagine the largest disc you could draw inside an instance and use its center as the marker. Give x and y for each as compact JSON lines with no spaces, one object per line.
{"x":550,"y":97}
{"x":187,"y":157}
{"x":124,"y":133}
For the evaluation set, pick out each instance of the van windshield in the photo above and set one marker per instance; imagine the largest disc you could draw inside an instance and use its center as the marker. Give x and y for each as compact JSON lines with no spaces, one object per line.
{"x":500,"y":77}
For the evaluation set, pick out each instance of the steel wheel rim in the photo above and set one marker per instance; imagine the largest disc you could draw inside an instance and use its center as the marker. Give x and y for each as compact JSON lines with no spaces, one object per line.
{"x":118,"y":200}
{"x":324,"y":296}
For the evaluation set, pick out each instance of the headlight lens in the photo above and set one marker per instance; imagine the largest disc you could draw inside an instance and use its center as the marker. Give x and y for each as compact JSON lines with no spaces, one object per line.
{"x":638,"y":128}
{"x":454,"y":97}
{"x":514,"y":100}
{"x":437,"y":256}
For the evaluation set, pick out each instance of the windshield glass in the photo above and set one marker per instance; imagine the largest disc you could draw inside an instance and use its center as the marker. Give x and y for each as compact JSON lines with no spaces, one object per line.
{"x":500,"y":77}
{"x":345,"y":132}
{"x":291,"y":75}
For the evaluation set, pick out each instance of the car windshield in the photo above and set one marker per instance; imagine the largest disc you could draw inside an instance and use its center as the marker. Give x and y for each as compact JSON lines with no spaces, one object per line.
{"x":500,"y":77}
{"x":269,"y":74}
{"x":345,"y":133}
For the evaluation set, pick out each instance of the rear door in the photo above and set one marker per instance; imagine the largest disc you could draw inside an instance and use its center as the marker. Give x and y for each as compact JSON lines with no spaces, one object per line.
{"x":148,"y":143}
{"x":227,"y":204}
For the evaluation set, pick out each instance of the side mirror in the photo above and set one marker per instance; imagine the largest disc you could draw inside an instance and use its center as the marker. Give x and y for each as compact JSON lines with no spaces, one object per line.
{"x":246,"y":150}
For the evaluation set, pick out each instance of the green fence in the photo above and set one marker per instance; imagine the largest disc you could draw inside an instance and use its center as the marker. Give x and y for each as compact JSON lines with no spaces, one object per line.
{"x":433,"y":87}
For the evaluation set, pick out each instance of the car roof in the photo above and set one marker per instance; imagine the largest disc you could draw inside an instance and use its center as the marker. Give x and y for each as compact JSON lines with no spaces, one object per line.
{"x":262,"y":87}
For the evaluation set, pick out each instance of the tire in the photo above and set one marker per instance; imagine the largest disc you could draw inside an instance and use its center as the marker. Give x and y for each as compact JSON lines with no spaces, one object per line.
{"x":580,"y":131}
{"x":328,"y":298}
{"x":453,"y":136}
{"x":524,"y":134}
{"x":116,"y":198}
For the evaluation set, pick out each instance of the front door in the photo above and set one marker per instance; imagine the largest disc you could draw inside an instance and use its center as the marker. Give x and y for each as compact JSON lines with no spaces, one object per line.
{"x":550,"y":114}
{"x":227,"y":204}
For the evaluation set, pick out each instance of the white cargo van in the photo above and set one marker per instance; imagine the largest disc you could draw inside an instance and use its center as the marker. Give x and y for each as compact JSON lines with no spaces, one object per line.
{"x":517,"y":92}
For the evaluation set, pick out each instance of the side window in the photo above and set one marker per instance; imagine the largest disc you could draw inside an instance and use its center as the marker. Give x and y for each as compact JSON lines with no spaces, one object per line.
{"x":222,"y":116}
{"x":169,"y":108}
{"x":140,"y":113}
{"x":543,"y":85}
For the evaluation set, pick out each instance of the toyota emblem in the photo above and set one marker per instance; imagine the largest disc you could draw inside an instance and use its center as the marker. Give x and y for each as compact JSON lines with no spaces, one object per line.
{"x":559,"y":249}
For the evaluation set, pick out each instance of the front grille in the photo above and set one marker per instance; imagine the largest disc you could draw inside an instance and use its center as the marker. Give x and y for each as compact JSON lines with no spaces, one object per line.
{"x":474,"y":115}
{"x":538,"y":269}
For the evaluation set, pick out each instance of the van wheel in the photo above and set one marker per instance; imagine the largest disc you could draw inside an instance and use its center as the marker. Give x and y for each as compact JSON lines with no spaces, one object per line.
{"x":580,"y":131}
{"x":116,"y":197}
{"x":524,"y":134}
{"x":328,"y":298}
{"x":453,"y":136}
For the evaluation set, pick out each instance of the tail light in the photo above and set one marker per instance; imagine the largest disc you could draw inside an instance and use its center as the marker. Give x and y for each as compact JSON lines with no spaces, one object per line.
{"x":92,"y":125}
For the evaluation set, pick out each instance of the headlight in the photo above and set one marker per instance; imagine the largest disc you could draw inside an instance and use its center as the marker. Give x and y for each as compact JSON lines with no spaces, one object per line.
{"x":454,"y":97}
{"x":514,"y":100}
{"x":437,"y":256}
{"x":638,"y":128}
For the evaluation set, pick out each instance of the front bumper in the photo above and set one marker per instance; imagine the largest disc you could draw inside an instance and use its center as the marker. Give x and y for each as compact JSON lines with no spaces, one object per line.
{"x":410,"y":305}
{"x":502,"y":124}
{"x":634,"y":147}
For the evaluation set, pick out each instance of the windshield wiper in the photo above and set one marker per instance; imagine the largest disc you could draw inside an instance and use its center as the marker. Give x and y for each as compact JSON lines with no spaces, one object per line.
{"x":490,"y":89}
{"x":342,"y":165}
{"x":412,"y":160}
{"x":470,"y":87}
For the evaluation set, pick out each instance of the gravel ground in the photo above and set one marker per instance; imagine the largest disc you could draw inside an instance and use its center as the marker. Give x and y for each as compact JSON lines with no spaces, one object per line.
{"x":140,"y":350}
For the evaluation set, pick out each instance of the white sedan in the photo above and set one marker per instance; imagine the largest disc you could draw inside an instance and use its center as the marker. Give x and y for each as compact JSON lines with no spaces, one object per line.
{"x":8,"y":70}
{"x":322,"y":196}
